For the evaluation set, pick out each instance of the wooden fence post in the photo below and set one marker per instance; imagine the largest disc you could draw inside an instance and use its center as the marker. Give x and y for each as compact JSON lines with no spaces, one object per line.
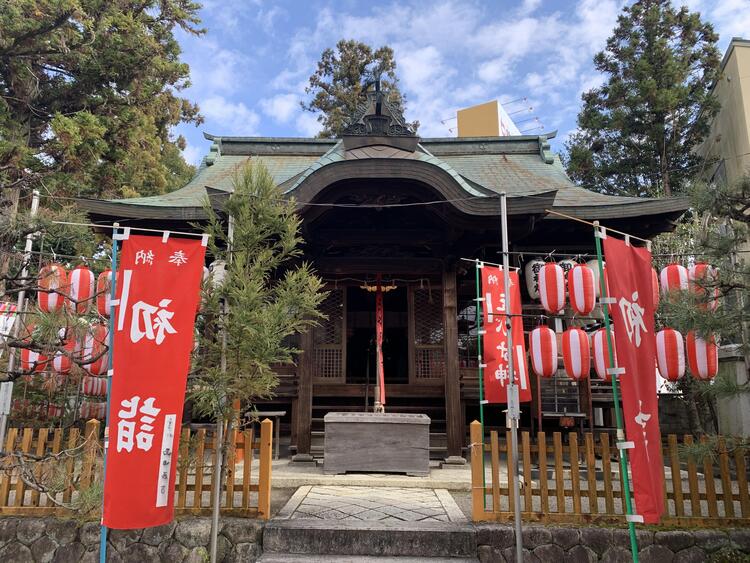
{"x":91,"y":438}
{"x":264,"y":472}
{"x":477,"y":472}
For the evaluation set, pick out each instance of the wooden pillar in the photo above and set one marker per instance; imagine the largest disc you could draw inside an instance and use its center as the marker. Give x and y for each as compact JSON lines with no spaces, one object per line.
{"x":304,"y":398}
{"x":453,"y":423}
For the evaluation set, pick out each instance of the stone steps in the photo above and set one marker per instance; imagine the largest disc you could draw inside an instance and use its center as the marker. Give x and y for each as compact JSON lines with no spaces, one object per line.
{"x":355,"y":540}
{"x":291,"y":557}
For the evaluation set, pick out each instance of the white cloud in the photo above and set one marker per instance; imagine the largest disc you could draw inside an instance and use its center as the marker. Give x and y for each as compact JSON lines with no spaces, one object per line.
{"x":234,"y":117}
{"x":307,"y":124}
{"x":281,"y":107}
{"x":529,"y":6}
{"x":192,"y":154}
{"x":494,"y":70}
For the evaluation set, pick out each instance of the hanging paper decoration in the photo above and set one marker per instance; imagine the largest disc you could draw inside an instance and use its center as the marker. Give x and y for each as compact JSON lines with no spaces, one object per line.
{"x":93,"y":349}
{"x":601,"y":355}
{"x":543,"y":351}
{"x":52,"y":277}
{"x":670,"y":354}
{"x":31,"y":360}
{"x":104,"y":292}
{"x":94,"y":386}
{"x":673,"y":277}
{"x":655,"y":287}
{"x":61,"y":362}
{"x":700,"y":275}
{"x":552,"y":288}
{"x":582,"y":289}
{"x":593,"y":265}
{"x":567,"y":265}
{"x":703,"y":356}
{"x":531,"y":275}
{"x":576,"y":353}
{"x":81,"y":290}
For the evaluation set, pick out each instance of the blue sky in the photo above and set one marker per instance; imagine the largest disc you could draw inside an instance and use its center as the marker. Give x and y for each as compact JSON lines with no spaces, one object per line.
{"x":249,"y":71}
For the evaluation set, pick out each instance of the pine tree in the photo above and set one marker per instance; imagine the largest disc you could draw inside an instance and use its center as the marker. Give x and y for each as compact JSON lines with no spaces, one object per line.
{"x":338,"y":85}
{"x":637,"y":133}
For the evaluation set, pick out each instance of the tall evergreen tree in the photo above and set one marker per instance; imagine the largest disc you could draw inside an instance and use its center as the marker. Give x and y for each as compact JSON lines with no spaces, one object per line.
{"x":637,"y":133}
{"x":337,"y":86}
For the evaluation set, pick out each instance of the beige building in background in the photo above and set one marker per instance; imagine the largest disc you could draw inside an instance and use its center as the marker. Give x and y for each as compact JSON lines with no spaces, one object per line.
{"x":729,"y":143}
{"x":729,"y":140}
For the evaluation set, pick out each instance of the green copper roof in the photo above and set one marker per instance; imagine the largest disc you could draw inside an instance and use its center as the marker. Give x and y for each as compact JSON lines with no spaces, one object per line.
{"x":521,"y":166}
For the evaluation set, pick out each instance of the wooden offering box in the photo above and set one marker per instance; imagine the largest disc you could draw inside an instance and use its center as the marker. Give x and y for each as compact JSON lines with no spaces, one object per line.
{"x":377,"y":443}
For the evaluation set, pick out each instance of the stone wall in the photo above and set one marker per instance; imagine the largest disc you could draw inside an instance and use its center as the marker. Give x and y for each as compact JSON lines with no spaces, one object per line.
{"x":52,"y":540}
{"x":587,"y":545}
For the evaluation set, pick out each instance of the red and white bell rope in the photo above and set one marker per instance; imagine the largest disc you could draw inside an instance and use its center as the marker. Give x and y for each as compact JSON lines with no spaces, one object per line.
{"x":582,"y":289}
{"x":552,"y":288}
{"x":52,"y":277}
{"x":703,"y":356}
{"x":543,"y":351}
{"x":576,"y":353}
{"x":601,"y":354}
{"x":670,"y":354}
{"x":81,"y":289}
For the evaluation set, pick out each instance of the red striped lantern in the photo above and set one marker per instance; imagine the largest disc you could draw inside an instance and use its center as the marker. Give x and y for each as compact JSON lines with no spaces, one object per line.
{"x":601,"y":354}
{"x":576,"y":353}
{"x":81,"y":289}
{"x":700,"y":275}
{"x":673,"y":277}
{"x":31,"y":360}
{"x":95,"y":342}
{"x":104,"y":292}
{"x":670,"y":354}
{"x":96,"y":386}
{"x":582,"y":289}
{"x":703,"y":356}
{"x":543,"y":351}
{"x":552,"y":288}
{"x":655,"y":287}
{"x":52,"y":277}
{"x":61,"y":362}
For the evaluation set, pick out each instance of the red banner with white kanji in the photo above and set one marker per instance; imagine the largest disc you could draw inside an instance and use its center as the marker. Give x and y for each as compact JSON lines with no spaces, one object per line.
{"x":157,"y":288}
{"x":495,"y":339}
{"x":629,"y":277}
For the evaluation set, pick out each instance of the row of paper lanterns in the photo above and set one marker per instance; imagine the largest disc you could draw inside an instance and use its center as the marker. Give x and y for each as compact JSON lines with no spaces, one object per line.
{"x":578,"y":348}
{"x":551,"y":282}
{"x":86,"y":410}
{"x":91,"y":347}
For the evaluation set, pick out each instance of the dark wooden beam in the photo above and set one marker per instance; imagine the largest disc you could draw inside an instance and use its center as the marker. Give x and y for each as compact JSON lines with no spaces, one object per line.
{"x":453,"y":422}
{"x":304,"y":398}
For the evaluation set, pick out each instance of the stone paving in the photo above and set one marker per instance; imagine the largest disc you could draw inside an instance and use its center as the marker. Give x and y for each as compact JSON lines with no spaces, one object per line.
{"x":372,"y":504}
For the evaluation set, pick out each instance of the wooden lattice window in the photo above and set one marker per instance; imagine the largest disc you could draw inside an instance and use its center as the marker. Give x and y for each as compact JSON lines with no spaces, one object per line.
{"x":428,"y":333}
{"x":329,"y":338}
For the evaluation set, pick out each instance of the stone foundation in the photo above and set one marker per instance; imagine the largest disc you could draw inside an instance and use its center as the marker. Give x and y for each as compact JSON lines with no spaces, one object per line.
{"x":496,"y":544}
{"x":52,"y":540}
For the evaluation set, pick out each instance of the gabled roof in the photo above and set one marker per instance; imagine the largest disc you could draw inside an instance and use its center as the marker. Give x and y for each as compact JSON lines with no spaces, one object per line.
{"x":471,"y":169}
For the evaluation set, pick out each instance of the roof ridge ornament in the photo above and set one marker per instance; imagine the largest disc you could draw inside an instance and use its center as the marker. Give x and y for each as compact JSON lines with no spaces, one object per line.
{"x":377,"y":116}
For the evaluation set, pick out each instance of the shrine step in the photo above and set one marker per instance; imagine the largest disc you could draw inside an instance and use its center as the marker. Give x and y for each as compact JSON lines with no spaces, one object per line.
{"x":292,"y":557}
{"x":357,"y":540}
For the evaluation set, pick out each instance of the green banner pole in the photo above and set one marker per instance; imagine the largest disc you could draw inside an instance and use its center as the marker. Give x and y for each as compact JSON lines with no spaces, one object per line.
{"x":615,"y":392}
{"x":478,"y":310}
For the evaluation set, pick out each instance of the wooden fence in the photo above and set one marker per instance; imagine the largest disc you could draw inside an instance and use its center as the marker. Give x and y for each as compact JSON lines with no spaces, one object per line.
{"x":580,"y":482}
{"x":77,"y":469}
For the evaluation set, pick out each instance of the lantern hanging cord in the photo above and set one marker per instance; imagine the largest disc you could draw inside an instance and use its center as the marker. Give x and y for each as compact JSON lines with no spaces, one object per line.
{"x":118,"y":226}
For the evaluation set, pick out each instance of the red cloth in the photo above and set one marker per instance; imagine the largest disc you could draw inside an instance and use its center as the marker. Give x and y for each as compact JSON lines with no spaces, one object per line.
{"x":154,"y":322}
{"x":630,"y":284}
{"x":495,"y":340}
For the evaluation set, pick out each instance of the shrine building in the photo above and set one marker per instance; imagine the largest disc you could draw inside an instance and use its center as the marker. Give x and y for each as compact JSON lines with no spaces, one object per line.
{"x":382,"y":200}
